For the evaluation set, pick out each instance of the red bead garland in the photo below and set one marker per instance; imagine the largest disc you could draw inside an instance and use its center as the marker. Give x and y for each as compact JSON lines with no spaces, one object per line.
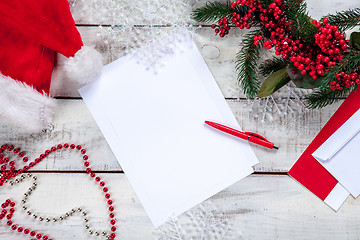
{"x":7,"y":175}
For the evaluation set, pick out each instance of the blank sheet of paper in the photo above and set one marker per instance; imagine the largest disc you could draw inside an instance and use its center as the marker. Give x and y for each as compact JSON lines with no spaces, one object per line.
{"x":154,"y":124}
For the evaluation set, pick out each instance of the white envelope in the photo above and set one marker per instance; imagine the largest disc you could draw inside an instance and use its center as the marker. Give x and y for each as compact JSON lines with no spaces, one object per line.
{"x":339,"y":154}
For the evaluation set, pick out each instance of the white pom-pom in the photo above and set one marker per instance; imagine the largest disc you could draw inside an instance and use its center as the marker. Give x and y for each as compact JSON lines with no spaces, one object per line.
{"x":85,"y":66}
{"x":23,"y":106}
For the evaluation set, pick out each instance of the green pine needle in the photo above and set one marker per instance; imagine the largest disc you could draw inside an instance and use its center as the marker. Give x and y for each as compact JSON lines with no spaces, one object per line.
{"x":246,"y":64}
{"x":272,"y":65}
{"x":324,"y":95}
{"x":296,"y":12}
{"x":345,"y":20}
{"x":214,"y":11}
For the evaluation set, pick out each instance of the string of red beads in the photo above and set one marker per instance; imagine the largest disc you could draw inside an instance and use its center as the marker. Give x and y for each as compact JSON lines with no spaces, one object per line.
{"x":13,"y":172}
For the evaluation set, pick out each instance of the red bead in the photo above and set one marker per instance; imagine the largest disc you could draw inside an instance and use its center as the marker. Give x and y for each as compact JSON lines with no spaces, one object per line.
{"x":66,"y":145}
{"x":110,"y":202}
{"x":16,"y":150}
{"x":9,"y":223}
{"x":85,"y":157}
{"x":83,"y":151}
{"x":31,"y":164}
{"x":21,"y":154}
{"x":32,"y":233}
{"x":14,"y":227}
{"x":113,"y":228}
{"x":12,"y":204}
{"x":88,"y":170}
{"x":12,"y":210}
{"x":9,"y":216}
{"x":112,"y":235}
{"x":86,"y":164}
{"x":105,"y":189}
{"x":97,"y":179}
{"x":111,"y":208}
{"x":107,"y":195}
{"x":10,"y":148}
{"x":42,"y":156}
{"x":37,"y":160}
{"x":102,"y":183}
{"x":25,"y":159}
{"x":46,"y":237}
{"x":59,"y":146}
{"x":112,"y":222}
{"x":38,"y":236}
{"x":26,"y":231}
{"x":20,"y":229}
{"x":111,"y":215}
{"x":53,"y":149}
{"x":72,"y":146}
{"x":47,"y":152}
{"x":92,"y":175}
{"x":78,"y":147}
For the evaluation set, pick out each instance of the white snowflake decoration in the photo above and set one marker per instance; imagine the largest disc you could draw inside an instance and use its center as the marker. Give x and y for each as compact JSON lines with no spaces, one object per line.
{"x":286,"y":102}
{"x":151,"y":25}
{"x":202,"y":222}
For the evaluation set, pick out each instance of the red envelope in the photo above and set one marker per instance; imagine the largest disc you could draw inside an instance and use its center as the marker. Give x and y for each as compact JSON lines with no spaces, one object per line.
{"x":309,"y":172}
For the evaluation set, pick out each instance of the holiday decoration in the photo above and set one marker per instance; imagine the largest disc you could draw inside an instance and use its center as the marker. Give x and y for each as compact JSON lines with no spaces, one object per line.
{"x":20,"y":175}
{"x":31,"y":34}
{"x":162,"y":24}
{"x":314,"y":54}
{"x":201,"y":222}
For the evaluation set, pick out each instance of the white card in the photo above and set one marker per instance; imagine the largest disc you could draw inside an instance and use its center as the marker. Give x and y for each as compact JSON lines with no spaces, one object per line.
{"x":339,"y":154}
{"x":154,"y":124}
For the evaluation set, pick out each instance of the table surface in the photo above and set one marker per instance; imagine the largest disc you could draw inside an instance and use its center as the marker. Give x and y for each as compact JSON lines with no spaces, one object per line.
{"x":266,"y":205}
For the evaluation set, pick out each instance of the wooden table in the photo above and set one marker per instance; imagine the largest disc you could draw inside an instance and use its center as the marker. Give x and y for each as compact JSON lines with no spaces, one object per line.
{"x":266,"y":205}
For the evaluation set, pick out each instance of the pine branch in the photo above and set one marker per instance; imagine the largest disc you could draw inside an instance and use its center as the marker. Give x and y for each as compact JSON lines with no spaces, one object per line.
{"x":323,"y":97}
{"x":246,"y":64}
{"x":214,"y":11}
{"x":272,"y":65}
{"x":345,"y":20}
{"x":302,"y":28}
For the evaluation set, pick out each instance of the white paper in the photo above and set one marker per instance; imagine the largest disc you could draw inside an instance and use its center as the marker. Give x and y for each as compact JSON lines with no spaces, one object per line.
{"x":340,"y":153}
{"x":154,"y":124}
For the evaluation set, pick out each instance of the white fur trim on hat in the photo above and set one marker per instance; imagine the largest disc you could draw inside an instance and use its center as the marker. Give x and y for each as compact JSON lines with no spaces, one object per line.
{"x":85,"y":66}
{"x":21,"y":105}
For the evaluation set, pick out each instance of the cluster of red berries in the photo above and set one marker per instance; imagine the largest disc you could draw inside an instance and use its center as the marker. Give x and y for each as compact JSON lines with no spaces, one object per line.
{"x":345,"y":80}
{"x":223,"y":27}
{"x":314,"y":59}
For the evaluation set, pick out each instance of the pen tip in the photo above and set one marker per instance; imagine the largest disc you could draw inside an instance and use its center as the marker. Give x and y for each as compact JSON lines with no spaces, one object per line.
{"x":275,"y":147}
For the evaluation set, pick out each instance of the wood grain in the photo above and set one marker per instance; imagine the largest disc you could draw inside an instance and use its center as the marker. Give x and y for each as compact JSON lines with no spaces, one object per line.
{"x":74,"y":124}
{"x":266,"y":205}
{"x":260,"y":207}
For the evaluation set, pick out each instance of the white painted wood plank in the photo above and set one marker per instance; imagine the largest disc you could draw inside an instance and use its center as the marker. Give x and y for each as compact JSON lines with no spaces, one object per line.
{"x":83,"y":15}
{"x":219,"y":55}
{"x":74,"y":124}
{"x":260,"y":207}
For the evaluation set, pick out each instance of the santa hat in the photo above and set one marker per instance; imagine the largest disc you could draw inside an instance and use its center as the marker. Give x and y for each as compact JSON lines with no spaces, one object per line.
{"x":31,"y":33}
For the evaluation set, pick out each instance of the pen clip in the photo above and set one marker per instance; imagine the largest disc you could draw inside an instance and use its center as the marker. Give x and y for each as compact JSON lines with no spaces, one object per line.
{"x":257,"y":135}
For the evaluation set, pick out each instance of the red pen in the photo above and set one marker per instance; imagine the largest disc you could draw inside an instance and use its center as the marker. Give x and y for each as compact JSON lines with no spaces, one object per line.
{"x":251,"y":137}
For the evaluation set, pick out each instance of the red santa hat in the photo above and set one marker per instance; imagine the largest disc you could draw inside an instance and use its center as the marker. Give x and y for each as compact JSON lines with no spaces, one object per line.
{"x":31,"y":33}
